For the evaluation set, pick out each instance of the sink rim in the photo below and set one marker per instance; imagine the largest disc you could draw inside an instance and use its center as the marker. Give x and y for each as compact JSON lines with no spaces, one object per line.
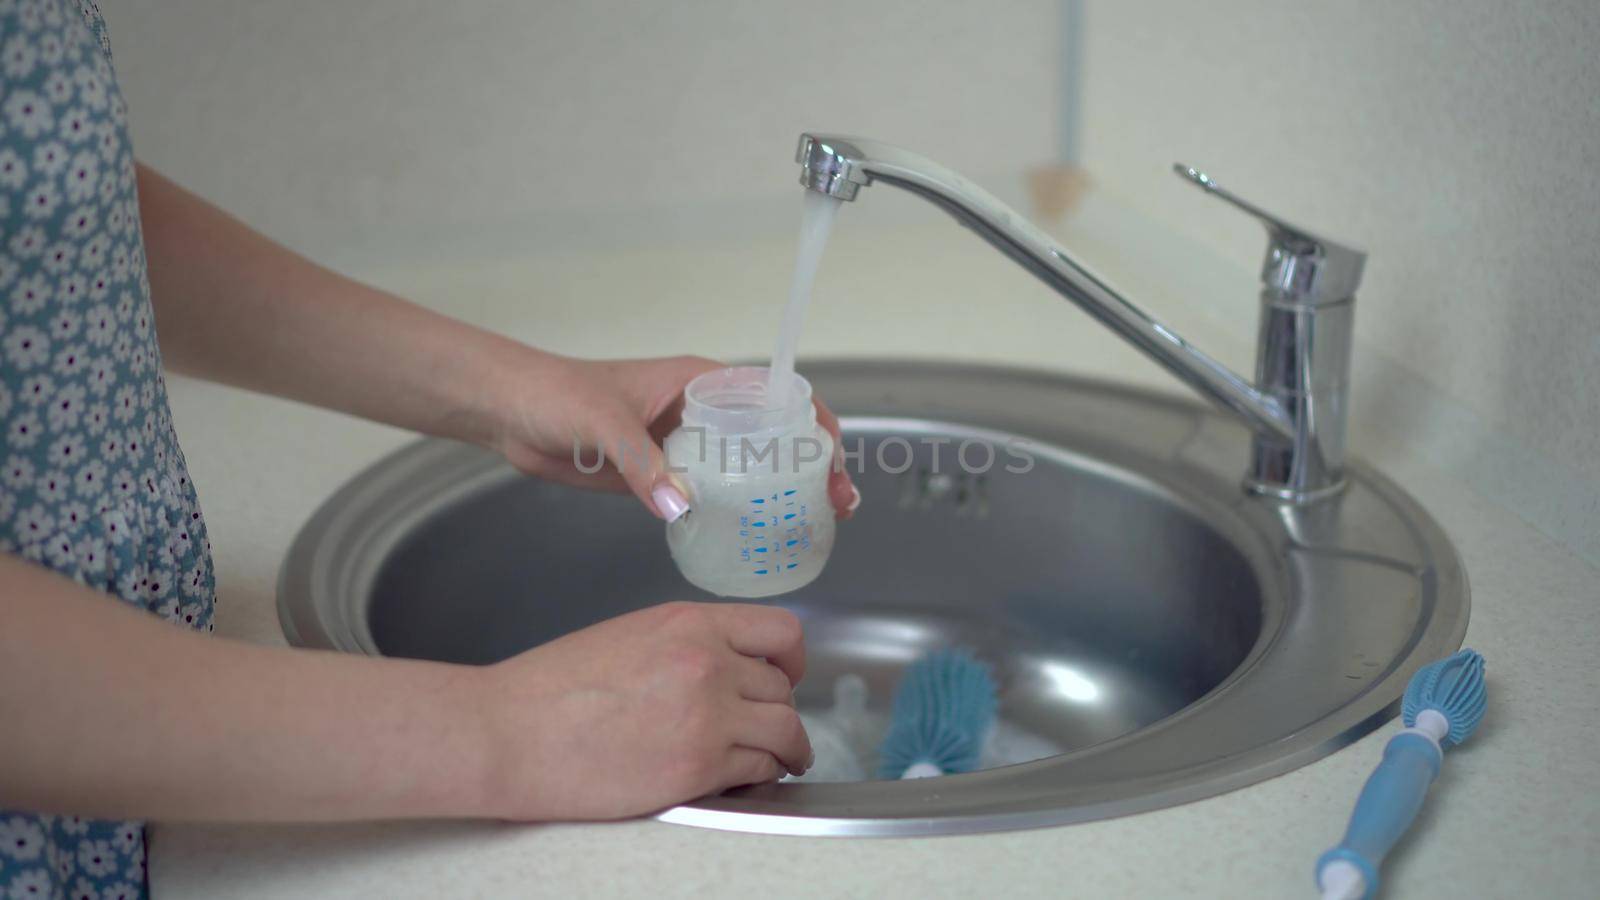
{"x":961,"y":806}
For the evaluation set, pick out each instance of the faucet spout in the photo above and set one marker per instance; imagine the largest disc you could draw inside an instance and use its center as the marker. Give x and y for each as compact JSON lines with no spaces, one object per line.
{"x":1296,"y":403}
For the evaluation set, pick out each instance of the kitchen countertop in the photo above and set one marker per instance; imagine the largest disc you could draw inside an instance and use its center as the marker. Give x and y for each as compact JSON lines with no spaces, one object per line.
{"x":1516,"y":810}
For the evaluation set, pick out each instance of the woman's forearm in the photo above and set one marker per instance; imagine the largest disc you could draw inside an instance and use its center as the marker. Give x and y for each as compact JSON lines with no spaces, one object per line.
{"x":233,"y":306}
{"x":112,"y":713}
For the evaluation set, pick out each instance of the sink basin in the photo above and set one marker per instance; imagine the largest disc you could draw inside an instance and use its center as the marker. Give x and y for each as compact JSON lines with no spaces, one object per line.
{"x":1158,"y":634}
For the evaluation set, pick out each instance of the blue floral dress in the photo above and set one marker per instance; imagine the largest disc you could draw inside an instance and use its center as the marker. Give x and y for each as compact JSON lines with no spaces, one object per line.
{"x":92,"y":483}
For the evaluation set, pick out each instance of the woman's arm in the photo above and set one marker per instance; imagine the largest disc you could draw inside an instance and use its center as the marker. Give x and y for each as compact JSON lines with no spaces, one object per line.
{"x":232,"y":306}
{"x":111,"y":713}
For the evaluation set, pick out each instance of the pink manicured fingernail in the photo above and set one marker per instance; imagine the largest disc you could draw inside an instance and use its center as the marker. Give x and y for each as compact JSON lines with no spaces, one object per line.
{"x":855,"y":499}
{"x":670,"y":502}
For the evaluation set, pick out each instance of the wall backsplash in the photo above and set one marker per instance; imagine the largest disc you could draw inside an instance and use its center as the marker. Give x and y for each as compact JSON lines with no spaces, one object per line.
{"x":335,"y":123}
{"x":1457,"y":142}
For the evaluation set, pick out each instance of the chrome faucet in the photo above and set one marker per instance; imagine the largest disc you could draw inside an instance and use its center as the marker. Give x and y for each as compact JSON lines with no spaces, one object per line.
{"x":1296,"y":405}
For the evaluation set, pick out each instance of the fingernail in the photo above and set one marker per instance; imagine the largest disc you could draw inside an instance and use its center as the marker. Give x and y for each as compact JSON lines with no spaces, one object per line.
{"x":669,"y":501}
{"x":855,"y":499}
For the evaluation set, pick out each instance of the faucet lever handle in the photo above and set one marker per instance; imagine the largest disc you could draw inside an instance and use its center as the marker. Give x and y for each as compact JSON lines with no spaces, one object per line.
{"x":1301,"y":266}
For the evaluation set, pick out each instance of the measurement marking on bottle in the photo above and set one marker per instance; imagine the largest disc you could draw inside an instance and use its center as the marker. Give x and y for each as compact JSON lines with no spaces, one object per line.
{"x":765,"y":532}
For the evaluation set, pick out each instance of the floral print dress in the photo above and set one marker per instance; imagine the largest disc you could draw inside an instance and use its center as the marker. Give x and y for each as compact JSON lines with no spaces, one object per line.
{"x":92,"y":482}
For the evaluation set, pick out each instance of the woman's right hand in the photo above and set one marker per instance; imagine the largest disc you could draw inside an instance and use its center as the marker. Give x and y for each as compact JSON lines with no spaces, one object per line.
{"x":649,"y":709}
{"x":626,"y":717}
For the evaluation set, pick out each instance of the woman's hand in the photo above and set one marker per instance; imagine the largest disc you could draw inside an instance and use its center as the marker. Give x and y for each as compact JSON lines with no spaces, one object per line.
{"x":553,"y":404}
{"x":637,"y":713}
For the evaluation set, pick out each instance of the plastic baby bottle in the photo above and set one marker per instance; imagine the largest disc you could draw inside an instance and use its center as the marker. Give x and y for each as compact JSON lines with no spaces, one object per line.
{"x":761,"y":523}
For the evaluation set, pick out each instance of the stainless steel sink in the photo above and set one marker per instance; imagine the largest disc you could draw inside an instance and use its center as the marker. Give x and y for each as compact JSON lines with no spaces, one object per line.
{"x":1164,"y":635}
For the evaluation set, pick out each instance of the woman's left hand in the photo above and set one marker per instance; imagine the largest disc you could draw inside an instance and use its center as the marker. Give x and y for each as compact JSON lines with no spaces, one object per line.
{"x":234,"y":307}
{"x":557,"y":406}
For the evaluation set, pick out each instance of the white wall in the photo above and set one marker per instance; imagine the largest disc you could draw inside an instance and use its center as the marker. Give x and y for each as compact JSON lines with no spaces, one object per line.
{"x":334,"y":122}
{"x":1458,"y":141}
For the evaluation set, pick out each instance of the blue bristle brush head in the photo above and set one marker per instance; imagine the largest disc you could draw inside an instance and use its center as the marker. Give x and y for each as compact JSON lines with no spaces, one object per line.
{"x":943,"y":711}
{"x":1454,"y":687}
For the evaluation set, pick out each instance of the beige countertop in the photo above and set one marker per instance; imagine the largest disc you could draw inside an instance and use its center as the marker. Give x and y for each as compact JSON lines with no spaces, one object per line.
{"x":1516,"y":810}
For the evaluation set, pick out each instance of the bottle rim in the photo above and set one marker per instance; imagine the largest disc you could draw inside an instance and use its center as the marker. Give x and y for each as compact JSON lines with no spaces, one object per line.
{"x":733,"y":401}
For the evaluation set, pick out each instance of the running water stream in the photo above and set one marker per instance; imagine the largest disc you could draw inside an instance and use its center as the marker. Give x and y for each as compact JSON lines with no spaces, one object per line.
{"x":815,"y":223}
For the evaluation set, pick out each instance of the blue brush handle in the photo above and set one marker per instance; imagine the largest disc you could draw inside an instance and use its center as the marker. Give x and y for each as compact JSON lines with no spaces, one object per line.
{"x":1388,"y":804}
